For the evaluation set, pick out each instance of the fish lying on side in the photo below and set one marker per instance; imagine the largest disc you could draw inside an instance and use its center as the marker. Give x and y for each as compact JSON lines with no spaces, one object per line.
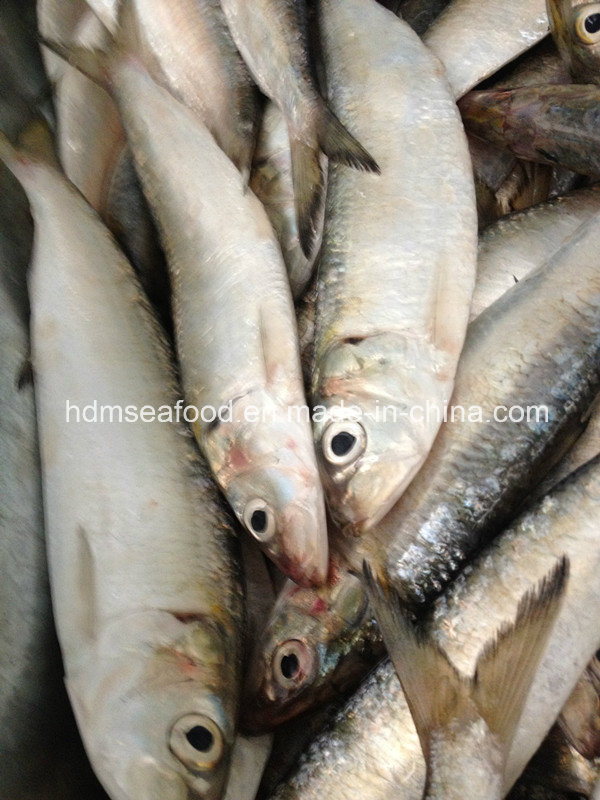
{"x":575,"y":26}
{"x":507,"y":423}
{"x":272,"y":37}
{"x":234,"y":319}
{"x":474,"y":38}
{"x":143,"y":560}
{"x":397,"y":265}
{"x":372,"y":748}
{"x":466,"y":723}
{"x":545,"y":124}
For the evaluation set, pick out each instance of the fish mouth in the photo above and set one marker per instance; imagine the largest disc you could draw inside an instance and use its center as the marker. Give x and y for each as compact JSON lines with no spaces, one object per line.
{"x":302,"y":550}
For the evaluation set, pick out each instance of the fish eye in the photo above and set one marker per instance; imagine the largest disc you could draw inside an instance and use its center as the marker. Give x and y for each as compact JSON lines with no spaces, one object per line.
{"x":197,"y":742}
{"x":293,"y":663}
{"x":587,"y":24}
{"x":343,"y":441}
{"x":259,"y":520}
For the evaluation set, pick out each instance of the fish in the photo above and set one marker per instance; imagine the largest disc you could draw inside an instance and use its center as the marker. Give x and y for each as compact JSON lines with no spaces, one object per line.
{"x":57,"y":21}
{"x":251,"y":419}
{"x":315,"y":647}
{"x":515,"y":246}
{"x":579,"y":720}
{"x":272,"y":37}
{"x":397,"y":265}
{"x":144,"y":561}
{"x":271,"y":181}
{"x":475,"y":38}
{"x":96,"y":158}
{"x":575,"y":27}
{"x":372,"y":748}
{"x":514,"y":413}
{"x":466,"y":722}
{"x":554,"y":125}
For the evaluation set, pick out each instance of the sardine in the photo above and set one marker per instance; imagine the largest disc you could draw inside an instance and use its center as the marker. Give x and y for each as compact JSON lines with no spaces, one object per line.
{"x":372,"y":749}
{"x":316,"y":646}
{"x":575,"y":26}
{"x":271,"y":182}
{"x":547,"y":124}
{"x":474,"y":38}
{"x":143,"y":561}
{"x":250,"y":416}
{"x":272,"y":37}
{"x":397,"y":266}
{"x":580,"y":718}
{"x":526,"y":380}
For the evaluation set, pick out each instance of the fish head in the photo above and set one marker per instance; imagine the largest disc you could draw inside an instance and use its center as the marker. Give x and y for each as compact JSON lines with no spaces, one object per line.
{"x":575,"y":26}
{"x":313,"y":649}
{"x":263,"y":459}
{"x":378,"y":406}
{"x":158,"y":717}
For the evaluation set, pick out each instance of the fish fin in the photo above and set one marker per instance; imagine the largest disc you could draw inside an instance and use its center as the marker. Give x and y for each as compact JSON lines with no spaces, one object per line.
{"x":91,"y":62}
{"x":307,"y":178}
{"x":341,"y":146}
{"x":500,"y":689}
{"x":435,"y":691}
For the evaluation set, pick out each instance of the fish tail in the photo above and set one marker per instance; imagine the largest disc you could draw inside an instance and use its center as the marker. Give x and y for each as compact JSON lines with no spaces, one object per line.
{"x":307,"y":179}
{"x":437,"y":693}
{"x":90,"y":61}
{"x":341,"y":146}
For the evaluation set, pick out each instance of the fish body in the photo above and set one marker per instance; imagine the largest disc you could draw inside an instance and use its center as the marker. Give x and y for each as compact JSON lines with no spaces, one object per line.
{"x":397,"y":264}
{"x":516,"y":245}
{"x":234,"y":324}
{"x":475,"y":38}
{"x":373,"y":745}
{"x":143,"y":560}
{"x":575,"y":27}
{"x":556,"y":125}
{"x":272,"y":36}
{"x":186,"y":47}
{"x":482,"y":465}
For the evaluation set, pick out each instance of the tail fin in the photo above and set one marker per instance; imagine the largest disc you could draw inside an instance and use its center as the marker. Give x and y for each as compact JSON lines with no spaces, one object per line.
{"x":341,"y":146}
{"x":307,"y":179}
{"x":437,"y":693}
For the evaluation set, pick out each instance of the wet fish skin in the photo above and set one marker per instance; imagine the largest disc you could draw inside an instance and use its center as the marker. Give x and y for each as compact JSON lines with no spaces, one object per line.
{"x":272,"y":37}
{"x":546,"y":124}
{"x":383,"y":303}
{"x":372,"y":747}
{"x":329,"y":640}
{"x":575,"y":27}
{"x":474,"y":38}
{"x":516,"y":245}
{"x":478,"y":472}
{"x":264,"y":458}
{"x":186,"y":47}
{"x":271,"y":182}
{"x":150,"y":640}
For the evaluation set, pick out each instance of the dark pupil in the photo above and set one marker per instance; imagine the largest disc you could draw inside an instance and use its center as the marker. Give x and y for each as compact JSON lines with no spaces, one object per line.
{"x":290,"y":666}
{"x":592,"y":23}
{"x":200,"y":738}
{"x":342,"y":443}
{"x":258,"y":520}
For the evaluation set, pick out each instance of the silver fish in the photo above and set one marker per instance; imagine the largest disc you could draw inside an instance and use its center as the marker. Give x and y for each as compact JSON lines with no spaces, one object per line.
{"x":397,"y":267}
{"x":143,"y":562}
{"x":575,"y":26}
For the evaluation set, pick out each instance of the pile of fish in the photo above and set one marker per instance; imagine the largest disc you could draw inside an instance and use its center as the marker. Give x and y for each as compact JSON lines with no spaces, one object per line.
{"x":300,"y":380}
